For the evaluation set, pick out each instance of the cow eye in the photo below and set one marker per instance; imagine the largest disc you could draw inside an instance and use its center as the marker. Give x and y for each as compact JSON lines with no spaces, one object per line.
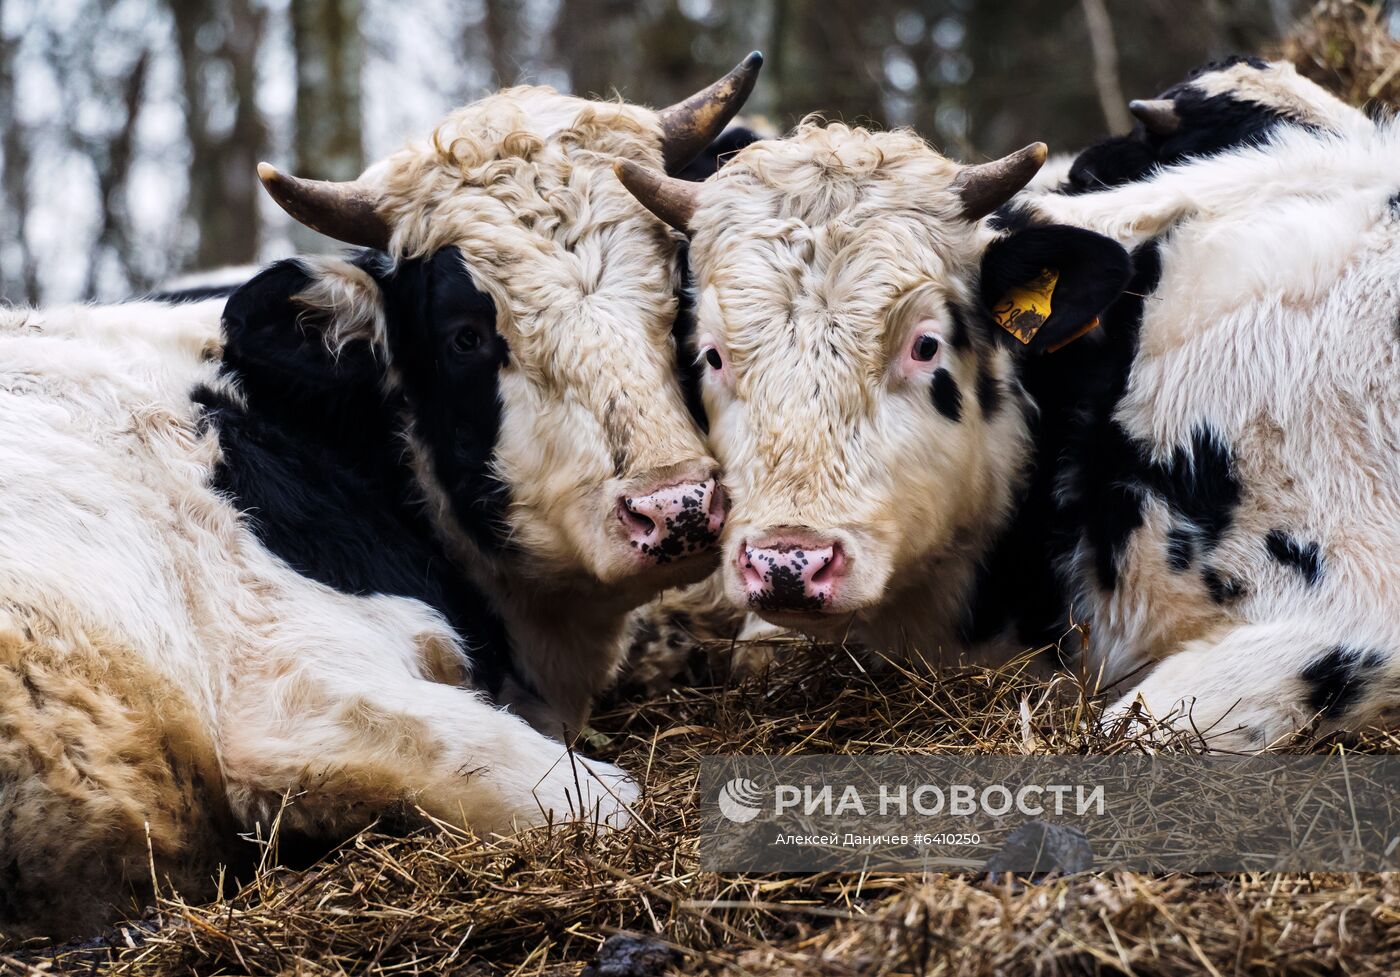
{"x":713,"y":358}
{"x":925,"y":348}
{"x":467,"y":340}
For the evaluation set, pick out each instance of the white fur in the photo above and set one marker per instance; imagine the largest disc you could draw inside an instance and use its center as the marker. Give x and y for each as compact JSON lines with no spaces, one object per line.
{"x":1274,"y":322}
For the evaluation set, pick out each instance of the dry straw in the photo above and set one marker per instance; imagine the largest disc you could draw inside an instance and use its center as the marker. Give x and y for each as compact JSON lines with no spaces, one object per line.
{"x":1343,"y":45}
{"x":540,"y":903}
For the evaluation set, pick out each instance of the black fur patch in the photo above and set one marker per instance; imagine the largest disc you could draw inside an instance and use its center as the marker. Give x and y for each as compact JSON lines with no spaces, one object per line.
{"x":1065,"y":398}
{"x":1209,"y":124}
{"x":1221,"y":588}
{"x":988,"y":394}
{"x":962,"y":335}
{"x":1338,"y":679}
{"x":1306,"y":558}
{"x":946,"y":396}
{"x":1092,"y":272}
{"x":1102,"y":496}
{"x":1200,"y":483}
{"x":1181,"y":549}
{"x":717,"y":153}
{"x":688,"y":368}
{"x":1011,"y":217}
{"x":452,"y":394}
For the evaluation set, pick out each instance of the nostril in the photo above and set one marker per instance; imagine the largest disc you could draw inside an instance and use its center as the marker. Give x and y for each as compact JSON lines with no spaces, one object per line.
{"x":636,"y":524}
{"x":719,"y":506}
{"x":830,"y":570}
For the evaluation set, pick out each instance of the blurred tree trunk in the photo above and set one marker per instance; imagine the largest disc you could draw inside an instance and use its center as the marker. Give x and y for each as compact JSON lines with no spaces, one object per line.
{"x":112,"y":158}
{"x":502,"y":30}
{"x":826,"y":62}
{"x":14,"y":182}
{"x":218,"y":43}
{"x":330,"y":54}
{"x":1106,"y":79}
{"x":593,"y":40}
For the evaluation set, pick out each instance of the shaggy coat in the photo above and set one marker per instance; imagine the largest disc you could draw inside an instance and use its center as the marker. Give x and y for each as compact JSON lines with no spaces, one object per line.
{"x":584,"y":286}
{"x":250,"y":578}
{"x":1217,"y":477}
{"x":1238,"y":497}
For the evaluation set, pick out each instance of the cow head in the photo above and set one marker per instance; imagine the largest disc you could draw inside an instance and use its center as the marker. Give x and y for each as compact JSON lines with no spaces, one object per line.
{"x":865,"y":409}
{"x":523,"y":310}
{"x":1221,"y":105}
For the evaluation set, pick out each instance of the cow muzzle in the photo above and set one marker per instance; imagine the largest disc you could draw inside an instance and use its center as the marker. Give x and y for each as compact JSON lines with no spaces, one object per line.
{"x":793,"y":572}
{"x":667,"y":520}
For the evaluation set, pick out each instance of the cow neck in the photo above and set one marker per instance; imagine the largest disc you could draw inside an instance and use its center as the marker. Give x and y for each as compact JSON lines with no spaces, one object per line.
{"x":567,"y":635}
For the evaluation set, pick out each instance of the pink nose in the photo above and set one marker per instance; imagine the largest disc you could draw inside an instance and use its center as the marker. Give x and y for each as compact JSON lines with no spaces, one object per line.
{"x":670,"y":522}
{"x":791,"y":575}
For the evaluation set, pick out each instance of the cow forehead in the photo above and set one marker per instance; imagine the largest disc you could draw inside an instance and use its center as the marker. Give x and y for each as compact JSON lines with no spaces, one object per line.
{"x":521,"y":183}
{"x":821,"y":235}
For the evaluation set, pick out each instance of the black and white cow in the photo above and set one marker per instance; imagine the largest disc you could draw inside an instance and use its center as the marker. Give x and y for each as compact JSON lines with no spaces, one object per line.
{"x":333,"y":564}
{"x":1220,"y":106}
{"x":1216,"y":472}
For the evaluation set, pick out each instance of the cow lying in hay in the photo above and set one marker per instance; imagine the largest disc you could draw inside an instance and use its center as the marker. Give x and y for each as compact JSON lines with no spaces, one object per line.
{"x":1220,"y":482}
{"x":299,"y":579}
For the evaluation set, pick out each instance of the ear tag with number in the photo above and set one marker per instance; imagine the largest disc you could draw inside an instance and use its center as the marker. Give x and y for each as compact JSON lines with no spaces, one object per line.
{"x":1024,"y":308}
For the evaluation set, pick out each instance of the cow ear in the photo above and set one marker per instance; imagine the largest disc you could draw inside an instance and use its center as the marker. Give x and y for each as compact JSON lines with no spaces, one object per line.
{"x":344,"y":301}
{"x":1047,"y":286}
{"x":273,"y":338}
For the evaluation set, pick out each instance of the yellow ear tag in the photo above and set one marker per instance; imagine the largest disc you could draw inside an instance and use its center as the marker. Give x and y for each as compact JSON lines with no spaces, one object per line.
{"x":1024,"y":309}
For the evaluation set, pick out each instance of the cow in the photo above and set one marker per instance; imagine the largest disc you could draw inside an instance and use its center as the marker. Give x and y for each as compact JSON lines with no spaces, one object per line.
{"x":1213,"y":468}
{"x":1231,"y":499}
{"x":369,"y":553}
{"x":871,"y":424}
{"x":1219,"y":106}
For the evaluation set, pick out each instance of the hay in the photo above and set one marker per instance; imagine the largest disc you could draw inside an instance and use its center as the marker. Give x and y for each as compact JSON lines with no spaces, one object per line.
{"x":542,"y":902}
{"x":1344,"y":46}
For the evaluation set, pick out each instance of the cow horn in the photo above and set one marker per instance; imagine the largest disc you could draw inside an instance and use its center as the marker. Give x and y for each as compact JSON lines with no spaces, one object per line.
{"x":986,"y":186}
{"x":1157,"y":114}
{"x":688,"y":127}
{"x":674,"y":201}
{"x":346,"y":211}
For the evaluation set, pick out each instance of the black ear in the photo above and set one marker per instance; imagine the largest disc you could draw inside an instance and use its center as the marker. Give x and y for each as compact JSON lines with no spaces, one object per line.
{"x":1110,"y":163}
{"x":272,"y":338}
{"x":1046,"y":286}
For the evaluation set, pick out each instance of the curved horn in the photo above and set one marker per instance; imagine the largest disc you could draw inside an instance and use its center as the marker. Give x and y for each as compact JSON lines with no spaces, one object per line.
{"x":345,"y":211}
{"x":674,"y":201}
{"x":986,"y":186}
{"x":688,"y":127}
{"x":1158,"y":115}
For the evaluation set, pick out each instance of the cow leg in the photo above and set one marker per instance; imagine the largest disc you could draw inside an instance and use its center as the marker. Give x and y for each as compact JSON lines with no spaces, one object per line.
{"x":107,"y":780}
{"x":1257,"y":685}
{"x":342,"y":748}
